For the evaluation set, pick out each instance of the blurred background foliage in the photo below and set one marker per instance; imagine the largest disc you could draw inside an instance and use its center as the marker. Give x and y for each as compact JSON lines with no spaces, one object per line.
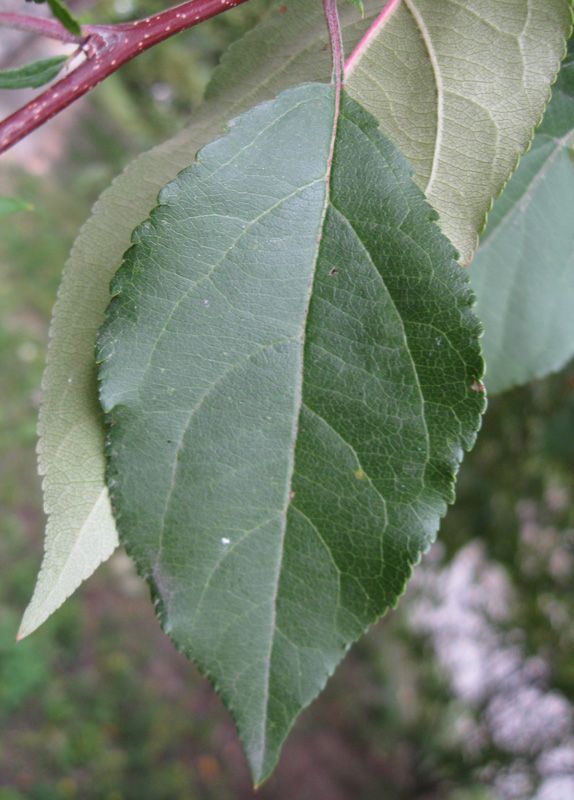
{"x":97,"y":704}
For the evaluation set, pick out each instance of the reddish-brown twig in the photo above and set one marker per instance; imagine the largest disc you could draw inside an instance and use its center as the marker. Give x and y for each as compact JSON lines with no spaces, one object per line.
{"x":44,"y":27}
{"x":107,"y":48}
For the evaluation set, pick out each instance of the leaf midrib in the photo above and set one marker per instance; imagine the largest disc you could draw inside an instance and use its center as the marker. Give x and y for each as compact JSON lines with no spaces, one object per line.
{"x":271,"y":76}
{"x":233,"y":244}
{"x":330,"y":205}
{"x":177,"y":457}
{"x":416,"y":15}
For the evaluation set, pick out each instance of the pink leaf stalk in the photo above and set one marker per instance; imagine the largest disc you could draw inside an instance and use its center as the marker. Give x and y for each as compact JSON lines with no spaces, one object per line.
{"x":371,"y":34}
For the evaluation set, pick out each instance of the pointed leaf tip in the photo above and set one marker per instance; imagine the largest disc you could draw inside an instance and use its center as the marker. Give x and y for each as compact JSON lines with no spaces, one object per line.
{"x":284,"y":437}
{"x":359,"y":6}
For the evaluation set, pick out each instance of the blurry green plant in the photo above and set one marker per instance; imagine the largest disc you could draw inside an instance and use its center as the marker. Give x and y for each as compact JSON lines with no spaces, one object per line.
{"x":10,"y":205}
{"x":289,"y":364}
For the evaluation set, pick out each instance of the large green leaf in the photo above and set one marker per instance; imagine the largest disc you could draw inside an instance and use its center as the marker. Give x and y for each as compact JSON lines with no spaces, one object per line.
{"x":288,"y":46}
{"x":460,"y":87}
{"x":291,"y":370}
{"x":283,"y":49}
{"x":523,"y":271}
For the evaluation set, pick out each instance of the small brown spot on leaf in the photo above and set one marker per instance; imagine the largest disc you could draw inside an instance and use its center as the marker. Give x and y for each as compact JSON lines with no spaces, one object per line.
{"x":333,"y":270}
{"x":477,"y":386}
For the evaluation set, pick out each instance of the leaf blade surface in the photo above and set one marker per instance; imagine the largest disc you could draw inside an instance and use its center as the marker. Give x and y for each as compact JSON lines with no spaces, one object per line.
{"x":279,"y":459}
{"x":62,"y":13}
{"x":281,"y":50}
{"x":460,"y":88}
{"x":32,"y":75}
{"x":522,"y":272}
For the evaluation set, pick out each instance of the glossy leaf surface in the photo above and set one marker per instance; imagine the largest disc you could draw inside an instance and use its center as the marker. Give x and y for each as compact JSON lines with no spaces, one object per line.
{"x":523,"y":271}
{"x":291,"y":370}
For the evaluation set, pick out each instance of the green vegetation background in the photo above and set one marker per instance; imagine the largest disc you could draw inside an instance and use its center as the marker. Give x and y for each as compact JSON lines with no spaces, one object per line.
{"x":97,"y":704}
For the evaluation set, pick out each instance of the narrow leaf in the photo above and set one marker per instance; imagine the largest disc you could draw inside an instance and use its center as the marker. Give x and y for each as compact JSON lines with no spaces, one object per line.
{"x":523,"y":271}
{"x":460,"y":87}
{"x":358,"y":5}
{"x":62,"y":13}
{"x":32,"y":75}
{"x":291,"y":370}
{"x":283,"y":49}
{"x":10,"y":205}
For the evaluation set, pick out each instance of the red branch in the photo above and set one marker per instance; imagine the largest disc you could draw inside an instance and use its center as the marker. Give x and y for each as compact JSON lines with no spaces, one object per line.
{"x":44,"y":27}
{"x":107,"y":48}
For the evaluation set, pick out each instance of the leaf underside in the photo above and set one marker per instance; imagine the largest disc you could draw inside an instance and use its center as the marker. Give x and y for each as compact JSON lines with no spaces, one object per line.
{"x":285,"y":48}
{"x":459,"y":87}
{"x":289,"y":366}
{"x":523,"y":271}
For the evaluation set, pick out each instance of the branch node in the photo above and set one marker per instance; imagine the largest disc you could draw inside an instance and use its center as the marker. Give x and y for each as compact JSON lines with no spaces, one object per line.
{"x":106,"y":47}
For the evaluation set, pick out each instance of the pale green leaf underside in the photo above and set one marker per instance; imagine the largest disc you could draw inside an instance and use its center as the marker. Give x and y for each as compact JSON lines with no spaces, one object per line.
{"x":81,"y":531}
{"x":290,"y":364}
{"x":460,"y":86}
{"x":284,"y":49}
{"x":523,"y":271}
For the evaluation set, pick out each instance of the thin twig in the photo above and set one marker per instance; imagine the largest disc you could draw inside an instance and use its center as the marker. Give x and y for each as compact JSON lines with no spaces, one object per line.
{"x":107,"y":48}
{"x":44,"y":27}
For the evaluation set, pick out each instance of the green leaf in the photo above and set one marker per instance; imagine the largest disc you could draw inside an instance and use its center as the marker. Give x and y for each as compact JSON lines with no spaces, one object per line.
{"x":523,"y":271}
{"x":10,"y":205}
{"x":63,"y":15}
{"x":283,"y":49}
{"x":358,"y":5}
{"x":460,"y":87}
{"x":32,"y":75}
{"x":291,"y":370}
